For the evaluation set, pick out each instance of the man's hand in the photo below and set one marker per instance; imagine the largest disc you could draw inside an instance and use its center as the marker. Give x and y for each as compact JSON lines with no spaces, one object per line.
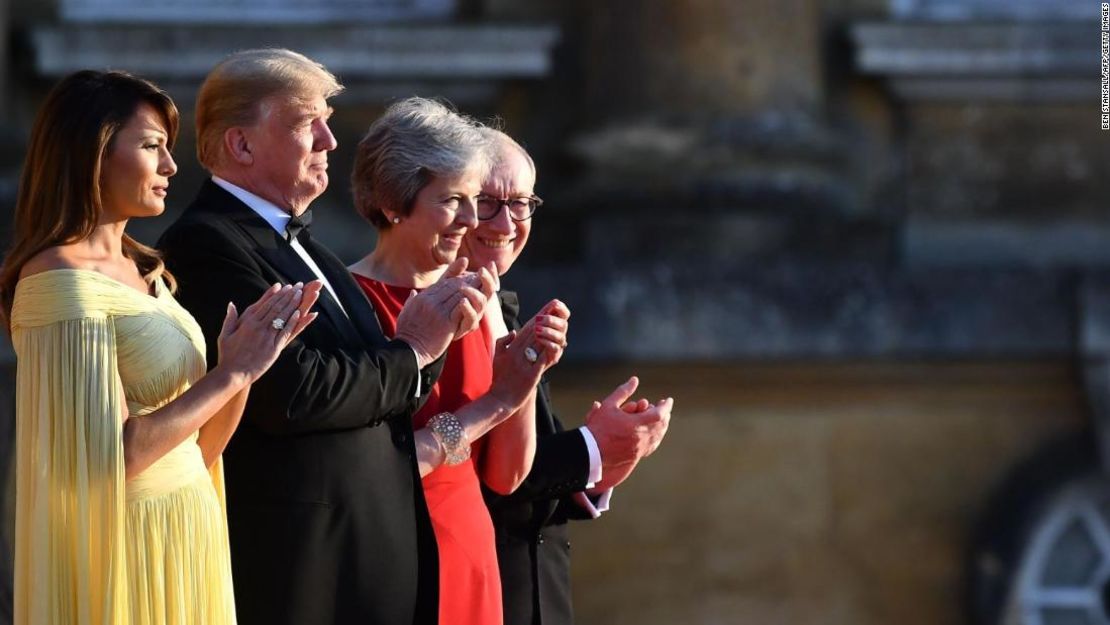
{"x":447,"y":310}
{"x":626,"y":431}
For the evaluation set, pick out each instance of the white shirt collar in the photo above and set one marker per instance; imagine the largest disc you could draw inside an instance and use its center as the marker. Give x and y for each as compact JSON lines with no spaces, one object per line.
{"x":266,"y":209}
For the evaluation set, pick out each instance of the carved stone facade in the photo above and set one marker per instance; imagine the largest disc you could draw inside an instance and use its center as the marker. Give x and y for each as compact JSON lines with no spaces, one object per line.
{"x":993,"y":10}
{"x":240,"y":12}
{"x":801,"y":182}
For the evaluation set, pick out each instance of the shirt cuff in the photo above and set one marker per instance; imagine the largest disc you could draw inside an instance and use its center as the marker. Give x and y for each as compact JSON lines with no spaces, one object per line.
{"x":595,"y":510}
{"x":595,"y":457}
{"x":418,"y":383}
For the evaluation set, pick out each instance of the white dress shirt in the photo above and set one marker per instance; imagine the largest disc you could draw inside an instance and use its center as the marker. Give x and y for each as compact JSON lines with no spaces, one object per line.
{"x":581,"y":498}
{"x":278,"y":218}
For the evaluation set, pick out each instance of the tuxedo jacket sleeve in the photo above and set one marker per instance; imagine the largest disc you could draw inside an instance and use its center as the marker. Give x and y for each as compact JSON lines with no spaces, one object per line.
{"x":324,"y":380}
{"x":560,"y":468}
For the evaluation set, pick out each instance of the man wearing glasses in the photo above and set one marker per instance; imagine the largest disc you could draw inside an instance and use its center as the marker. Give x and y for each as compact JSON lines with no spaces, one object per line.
{"x":574,"y":471}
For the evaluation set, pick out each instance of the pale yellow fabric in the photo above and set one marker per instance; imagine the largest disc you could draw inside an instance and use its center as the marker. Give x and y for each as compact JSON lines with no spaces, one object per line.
{"x":91,"y":547}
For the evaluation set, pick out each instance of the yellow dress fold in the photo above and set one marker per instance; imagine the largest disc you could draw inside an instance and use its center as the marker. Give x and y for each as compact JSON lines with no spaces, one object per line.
{"x":91,"y":547}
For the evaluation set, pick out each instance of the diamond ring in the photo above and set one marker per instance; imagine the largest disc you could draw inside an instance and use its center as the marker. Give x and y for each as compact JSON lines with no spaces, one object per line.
{"x":277,"y":324}
{"x":530,"y":354}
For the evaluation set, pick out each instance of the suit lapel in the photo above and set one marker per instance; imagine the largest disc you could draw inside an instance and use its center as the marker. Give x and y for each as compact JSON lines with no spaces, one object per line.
{"x":289,"y":263}
{"x":358,"y":307}
{"x":276,"y":251}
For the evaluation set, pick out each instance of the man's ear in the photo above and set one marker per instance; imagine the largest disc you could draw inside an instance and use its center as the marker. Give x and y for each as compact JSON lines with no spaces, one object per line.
{"x":238,"y":145}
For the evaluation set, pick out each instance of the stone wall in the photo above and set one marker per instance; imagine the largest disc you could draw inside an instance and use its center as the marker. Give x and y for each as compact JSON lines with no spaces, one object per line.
{"x":809,"y":494}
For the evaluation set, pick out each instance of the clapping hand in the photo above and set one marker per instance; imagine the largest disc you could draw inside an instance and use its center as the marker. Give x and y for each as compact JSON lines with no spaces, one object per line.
{"x":250,"y":341}
{"x":522,"y":357}
{"x":626,"y":431}
{"x":447,"y":310}
{"x":548,"y":329}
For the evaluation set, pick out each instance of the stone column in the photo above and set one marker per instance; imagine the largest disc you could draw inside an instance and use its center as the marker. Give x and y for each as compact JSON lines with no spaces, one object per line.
{"x":683,"y":97}
{"x":702,"y":140}
{"x":703,"y":57}
{"x":687,"y":94}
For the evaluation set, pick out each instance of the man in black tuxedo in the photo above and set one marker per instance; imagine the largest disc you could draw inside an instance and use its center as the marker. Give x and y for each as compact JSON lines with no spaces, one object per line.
{"x":326,"y":515}
{"x":574,"y":472}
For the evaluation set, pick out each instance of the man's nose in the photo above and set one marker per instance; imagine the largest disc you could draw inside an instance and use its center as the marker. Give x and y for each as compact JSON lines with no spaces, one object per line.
{"x":325,"y":140}
{"x":502,"y":222}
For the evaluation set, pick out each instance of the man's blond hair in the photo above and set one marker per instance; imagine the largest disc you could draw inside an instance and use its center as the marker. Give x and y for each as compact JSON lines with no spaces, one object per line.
{"x":236,"y":90}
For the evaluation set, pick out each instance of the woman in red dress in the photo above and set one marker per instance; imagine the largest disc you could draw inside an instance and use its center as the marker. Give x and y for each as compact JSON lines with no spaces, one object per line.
{"x":416,"y":176}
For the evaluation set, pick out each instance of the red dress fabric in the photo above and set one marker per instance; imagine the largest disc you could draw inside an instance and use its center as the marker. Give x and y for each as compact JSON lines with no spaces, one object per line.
{"x":469,"y":581}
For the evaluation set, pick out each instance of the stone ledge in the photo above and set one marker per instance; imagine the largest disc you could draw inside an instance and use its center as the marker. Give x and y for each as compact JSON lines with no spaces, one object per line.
{"x":240,"y":11}
{"x":357,"y":53}
{"x":977,"y":49}
{"x":985,"y":243}
{"x":784,"y":311}
{"x":1031,"y":62}
{"x":1009,"y":10}
{"x":992,"y":90}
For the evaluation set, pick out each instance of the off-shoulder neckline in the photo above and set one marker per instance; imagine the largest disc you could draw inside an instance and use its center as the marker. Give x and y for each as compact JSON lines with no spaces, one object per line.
{"x":157,"y":283}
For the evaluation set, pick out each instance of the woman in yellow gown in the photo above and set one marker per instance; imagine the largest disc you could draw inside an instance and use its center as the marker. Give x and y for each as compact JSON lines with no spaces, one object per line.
{"x":119,"y":511}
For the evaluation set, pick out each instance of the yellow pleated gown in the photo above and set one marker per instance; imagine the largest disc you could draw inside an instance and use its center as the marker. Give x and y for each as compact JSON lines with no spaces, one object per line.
{"x":91,"y":547}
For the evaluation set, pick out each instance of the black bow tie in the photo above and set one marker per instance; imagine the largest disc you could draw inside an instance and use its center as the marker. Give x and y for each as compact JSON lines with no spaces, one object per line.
{"x":297,"y":224}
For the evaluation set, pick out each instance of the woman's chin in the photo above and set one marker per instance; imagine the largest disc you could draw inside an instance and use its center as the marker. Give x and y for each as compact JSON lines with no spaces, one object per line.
{"x":444,"y":257}
{"x":151,"y":210}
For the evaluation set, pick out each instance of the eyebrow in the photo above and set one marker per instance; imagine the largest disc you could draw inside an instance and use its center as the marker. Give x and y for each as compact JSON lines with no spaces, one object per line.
{"x":511,"y":193}
{"x":307,"y":115}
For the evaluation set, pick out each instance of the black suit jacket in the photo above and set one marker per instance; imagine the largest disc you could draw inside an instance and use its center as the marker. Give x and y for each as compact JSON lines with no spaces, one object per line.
{"x":326,"y":514}
{"x":533,"y":548}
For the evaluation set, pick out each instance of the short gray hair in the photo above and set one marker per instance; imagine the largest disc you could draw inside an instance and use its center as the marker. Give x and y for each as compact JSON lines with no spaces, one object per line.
{"x":500,"y":141}
{"x":414,"y":141}
{"x":234,"y":91}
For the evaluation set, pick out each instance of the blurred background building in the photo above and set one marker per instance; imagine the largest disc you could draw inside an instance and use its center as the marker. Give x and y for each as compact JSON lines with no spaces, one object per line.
{"x":864,"y":244}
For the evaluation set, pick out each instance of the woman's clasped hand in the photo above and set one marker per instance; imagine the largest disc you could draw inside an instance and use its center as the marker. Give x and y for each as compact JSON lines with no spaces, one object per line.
{"x":250,"y":341}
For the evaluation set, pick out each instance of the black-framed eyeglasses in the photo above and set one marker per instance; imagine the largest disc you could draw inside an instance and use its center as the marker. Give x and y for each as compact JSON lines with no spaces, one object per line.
{"x":521,"y":208}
